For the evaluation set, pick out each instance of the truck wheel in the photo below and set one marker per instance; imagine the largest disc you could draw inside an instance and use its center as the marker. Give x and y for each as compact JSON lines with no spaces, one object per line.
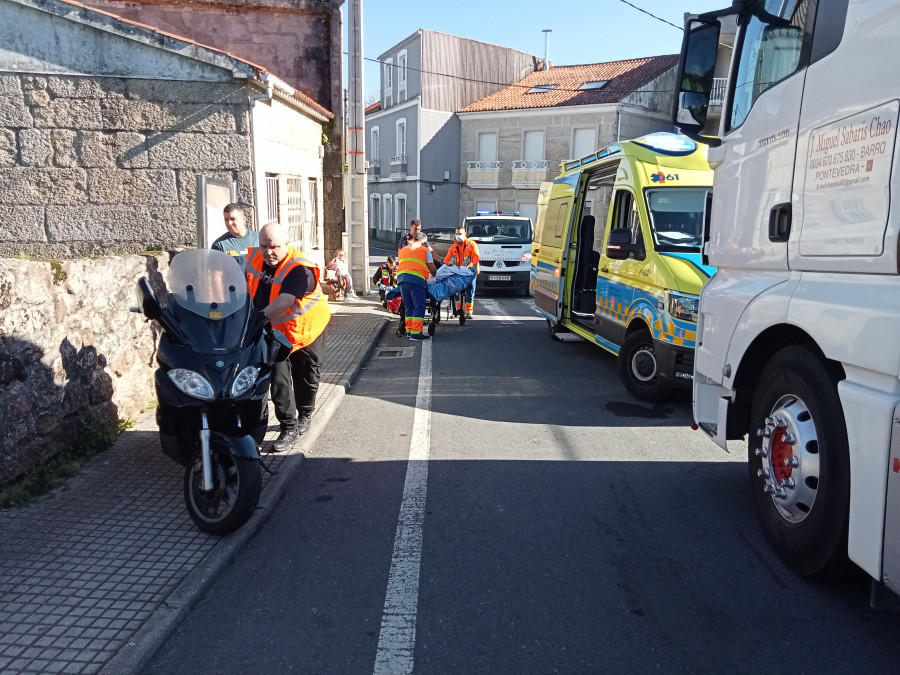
{"x":800,"y":463}
{"x":639,"y":369}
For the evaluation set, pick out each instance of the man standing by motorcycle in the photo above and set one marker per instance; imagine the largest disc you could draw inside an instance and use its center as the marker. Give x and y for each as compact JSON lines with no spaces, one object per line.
{"x":284,"y":285}
{"x":464,"y":253}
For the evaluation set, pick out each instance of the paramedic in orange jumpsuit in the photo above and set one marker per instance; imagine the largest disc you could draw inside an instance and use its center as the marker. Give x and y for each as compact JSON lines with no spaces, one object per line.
{"x":464,"y":253}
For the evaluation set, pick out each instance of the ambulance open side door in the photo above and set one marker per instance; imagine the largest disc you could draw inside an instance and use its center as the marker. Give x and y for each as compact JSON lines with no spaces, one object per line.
{"x":549,"y":283}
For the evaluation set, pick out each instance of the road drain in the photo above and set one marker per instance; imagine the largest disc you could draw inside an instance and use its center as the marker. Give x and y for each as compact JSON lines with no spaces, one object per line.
{"x":396,"y":353}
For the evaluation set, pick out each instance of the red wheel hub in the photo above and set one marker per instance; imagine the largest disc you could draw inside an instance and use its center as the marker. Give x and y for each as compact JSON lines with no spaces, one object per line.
{"x":781,"y":451}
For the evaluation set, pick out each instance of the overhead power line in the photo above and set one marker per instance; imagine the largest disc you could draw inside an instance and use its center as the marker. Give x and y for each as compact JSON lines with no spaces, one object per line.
{"x":652,"y":14}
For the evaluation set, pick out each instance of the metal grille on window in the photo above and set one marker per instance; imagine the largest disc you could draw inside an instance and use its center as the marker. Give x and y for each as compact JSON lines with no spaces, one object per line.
{"x":271,"y":199}
{"x":312,"y":212}
{"x":294,"y":209}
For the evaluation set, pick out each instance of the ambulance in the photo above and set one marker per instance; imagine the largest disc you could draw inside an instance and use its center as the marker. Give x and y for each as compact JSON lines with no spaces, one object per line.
{"x":618,"y":262}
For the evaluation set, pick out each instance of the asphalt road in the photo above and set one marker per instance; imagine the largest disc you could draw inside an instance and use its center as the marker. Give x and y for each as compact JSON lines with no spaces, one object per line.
{"x":548,"y":523}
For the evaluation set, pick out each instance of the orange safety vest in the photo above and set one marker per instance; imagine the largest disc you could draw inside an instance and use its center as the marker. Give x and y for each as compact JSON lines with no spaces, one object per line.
{"x":305,"y":320}
{"x":413,"y":261}
{"x":466,"y":254}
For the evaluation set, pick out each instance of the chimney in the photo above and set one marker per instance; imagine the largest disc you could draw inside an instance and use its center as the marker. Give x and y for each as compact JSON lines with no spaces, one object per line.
{"x":546,"y":32}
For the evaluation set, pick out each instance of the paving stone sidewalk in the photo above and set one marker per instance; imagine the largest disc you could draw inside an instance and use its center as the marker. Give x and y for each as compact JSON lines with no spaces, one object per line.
{"x":96,"y":575}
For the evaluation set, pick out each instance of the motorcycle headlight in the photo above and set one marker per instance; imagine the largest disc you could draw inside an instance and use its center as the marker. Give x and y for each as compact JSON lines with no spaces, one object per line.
{"x":192,"y":384}
{"x":245,"y":379}
{"x":684,"y":307}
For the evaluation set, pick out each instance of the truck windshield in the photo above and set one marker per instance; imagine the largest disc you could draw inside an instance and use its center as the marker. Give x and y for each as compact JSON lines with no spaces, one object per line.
{"x":499,"y":230}
{"x":676,"y":218}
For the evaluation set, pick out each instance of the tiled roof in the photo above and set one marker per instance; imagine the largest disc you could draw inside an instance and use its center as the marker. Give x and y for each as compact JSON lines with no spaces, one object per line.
{"x":375,"y":107}
{"x":622,"y":78}
{"x":302,"y":97}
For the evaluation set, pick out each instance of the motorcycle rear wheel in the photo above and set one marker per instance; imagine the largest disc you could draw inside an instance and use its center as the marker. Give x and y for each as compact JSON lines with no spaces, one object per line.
{"x":237,"y":482}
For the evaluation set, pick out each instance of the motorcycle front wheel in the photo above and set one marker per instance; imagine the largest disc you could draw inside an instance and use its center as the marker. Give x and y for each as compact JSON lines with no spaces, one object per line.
{"x":237,"y":482}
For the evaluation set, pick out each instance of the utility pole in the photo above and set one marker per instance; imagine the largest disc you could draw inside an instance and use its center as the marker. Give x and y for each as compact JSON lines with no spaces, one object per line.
{"x":357,"y":208}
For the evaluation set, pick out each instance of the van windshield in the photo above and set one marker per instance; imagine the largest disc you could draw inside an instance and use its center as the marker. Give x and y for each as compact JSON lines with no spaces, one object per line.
{"x":676,"y":218}
{"x":499,"y":230}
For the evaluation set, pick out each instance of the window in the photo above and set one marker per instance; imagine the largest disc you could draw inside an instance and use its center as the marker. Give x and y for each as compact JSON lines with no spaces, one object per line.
{"x":401,"y":76}
{"x":387,"y":79}
{"x":584,"y":142}
{"x":311,"y":224}
{"x":388,"y":219}
{"x":401,"y":139}
{"x":271,"y":214}
{"x":399,"y":212}
{"x":373,"y":144}
{"x":487,"y":147}
{"x":375,"y":212}
{"x":293,"y":217}
{"x":770,"y":52}
{"x":489,"y":207}
{"x":540,"y":88}
{"x":533,"y":146}
{"x":594,"y":84}
{"x":626,"y":216}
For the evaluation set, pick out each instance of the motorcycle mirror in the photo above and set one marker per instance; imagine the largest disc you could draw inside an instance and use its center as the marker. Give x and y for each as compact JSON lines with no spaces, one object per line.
{"x":149,"y":304}
{"x":280,"y":347}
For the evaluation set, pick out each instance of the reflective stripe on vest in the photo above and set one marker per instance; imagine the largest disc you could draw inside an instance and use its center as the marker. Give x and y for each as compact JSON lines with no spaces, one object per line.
{"x":413,"y":260}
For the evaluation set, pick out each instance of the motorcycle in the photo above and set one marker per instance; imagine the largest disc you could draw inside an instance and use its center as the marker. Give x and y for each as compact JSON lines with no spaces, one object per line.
{"x":215,"y":356}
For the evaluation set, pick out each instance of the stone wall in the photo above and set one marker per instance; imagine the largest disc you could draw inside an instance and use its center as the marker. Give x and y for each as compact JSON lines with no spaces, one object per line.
{"x":92,"y":165}
{"x":70,"y":351}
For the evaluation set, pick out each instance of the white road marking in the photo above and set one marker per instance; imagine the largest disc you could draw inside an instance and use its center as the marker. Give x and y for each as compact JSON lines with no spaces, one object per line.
{"x":397,"y":638}
{"x":494,"y":310}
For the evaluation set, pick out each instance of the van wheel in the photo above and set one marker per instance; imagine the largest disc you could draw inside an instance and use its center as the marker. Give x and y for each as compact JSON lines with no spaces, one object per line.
{"x":639,"y":368}
{"x":799,"y":463}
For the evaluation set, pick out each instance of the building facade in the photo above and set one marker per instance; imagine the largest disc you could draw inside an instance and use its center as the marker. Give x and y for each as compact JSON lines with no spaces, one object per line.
{"x":102,"y":148}
{"x":299,"y":40}
{"x":515,"y":139}
{"x":413,"y":134}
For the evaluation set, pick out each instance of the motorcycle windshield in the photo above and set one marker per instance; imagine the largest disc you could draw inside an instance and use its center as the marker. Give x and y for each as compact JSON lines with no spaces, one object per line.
{"x":208,"y":283}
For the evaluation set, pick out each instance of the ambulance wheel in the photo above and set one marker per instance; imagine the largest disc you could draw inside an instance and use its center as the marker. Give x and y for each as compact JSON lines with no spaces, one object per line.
{"x":800,"y":463}
{"x":639,"y":368}
{"x":431,"y":328}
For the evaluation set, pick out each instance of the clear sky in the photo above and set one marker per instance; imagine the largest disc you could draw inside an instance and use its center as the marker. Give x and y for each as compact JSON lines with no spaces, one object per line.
{"x":584,"y":31}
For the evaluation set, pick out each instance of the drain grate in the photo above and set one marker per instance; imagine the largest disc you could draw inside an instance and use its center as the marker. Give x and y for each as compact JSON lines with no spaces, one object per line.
{"x":396,"y":353}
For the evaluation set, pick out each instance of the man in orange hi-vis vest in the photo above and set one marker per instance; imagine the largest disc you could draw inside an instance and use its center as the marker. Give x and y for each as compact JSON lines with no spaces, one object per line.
{"x":284,"y":285}
{"x":415,"y":266}
{"x":464,"y":253}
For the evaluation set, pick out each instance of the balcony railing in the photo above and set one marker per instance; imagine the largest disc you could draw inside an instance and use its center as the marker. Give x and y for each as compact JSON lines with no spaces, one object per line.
{"x":398,"y":166}
{"x":528,"y":174}
{"x":484,"y":174}
{"x":482,"y":165}
{"x":717,"y":95}
{"x":531,"y":164}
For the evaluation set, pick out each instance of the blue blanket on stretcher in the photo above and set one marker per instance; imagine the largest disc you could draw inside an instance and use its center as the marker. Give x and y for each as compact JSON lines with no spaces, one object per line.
{"x":450,"y":280}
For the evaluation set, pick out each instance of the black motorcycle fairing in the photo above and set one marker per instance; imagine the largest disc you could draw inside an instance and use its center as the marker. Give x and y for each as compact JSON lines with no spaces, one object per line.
{"x":239,"y":446}
{"x":207,"y":335}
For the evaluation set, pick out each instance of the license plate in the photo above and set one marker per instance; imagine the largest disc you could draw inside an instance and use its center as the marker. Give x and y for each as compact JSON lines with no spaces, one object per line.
{"x":499,"y":277}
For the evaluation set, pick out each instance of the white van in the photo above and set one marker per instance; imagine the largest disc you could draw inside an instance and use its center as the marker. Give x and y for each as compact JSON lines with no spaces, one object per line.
{"x":504,"y":249}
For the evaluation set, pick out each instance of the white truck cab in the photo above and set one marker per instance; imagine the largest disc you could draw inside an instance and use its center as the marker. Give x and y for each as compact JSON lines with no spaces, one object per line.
{"x":797,"y":338}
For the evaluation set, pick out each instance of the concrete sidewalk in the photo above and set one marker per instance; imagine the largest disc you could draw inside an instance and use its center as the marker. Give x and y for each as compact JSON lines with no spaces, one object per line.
{"x":94,"y":577}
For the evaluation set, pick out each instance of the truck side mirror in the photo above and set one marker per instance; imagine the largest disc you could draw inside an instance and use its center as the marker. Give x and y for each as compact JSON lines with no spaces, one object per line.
{"x":619,"y":245}
{"x":149,"y":304}
{"x":696,"y":75}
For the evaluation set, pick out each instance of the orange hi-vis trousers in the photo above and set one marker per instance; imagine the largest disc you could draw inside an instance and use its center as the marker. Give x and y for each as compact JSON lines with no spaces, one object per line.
{"x":413,"y":295}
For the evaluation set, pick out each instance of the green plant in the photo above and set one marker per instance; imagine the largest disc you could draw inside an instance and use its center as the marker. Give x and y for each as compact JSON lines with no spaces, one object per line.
{"x":93,"y":437}
{"x":59,"y":272}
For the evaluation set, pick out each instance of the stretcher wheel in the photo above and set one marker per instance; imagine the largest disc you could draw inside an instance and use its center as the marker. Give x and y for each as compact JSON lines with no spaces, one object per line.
{"x":431,"y":328}
{"x":462,"y":318}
